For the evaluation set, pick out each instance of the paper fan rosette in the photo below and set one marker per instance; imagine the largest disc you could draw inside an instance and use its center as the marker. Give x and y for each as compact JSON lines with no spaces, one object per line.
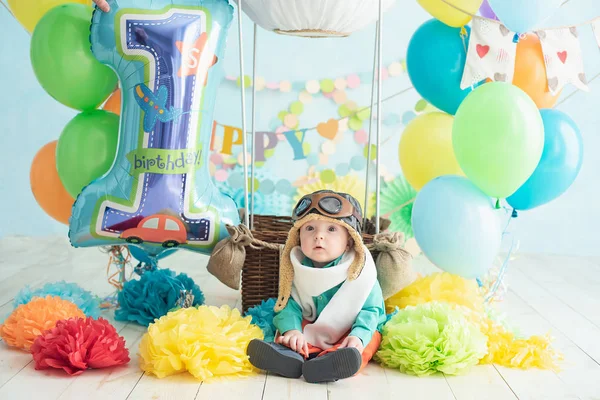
{"x":397,"y":198}
{"x":314,"y":18}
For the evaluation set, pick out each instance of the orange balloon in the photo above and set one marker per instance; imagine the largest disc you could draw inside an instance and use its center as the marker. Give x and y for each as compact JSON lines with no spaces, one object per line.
{"x":113,"y":104}
{"x":530,"y":72}
{"x":46,"y":186}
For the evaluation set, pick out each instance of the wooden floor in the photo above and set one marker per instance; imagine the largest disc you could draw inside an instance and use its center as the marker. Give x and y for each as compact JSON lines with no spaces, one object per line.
{"x":547,"y":293}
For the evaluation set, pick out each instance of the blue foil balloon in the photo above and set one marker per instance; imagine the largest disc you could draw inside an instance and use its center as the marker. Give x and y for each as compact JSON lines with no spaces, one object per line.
{"x":435,"y":61}
{"x":456,"y":226}
{"x":158,"y":194}
{"x":523,"y":15}
{"x":559,"y":166}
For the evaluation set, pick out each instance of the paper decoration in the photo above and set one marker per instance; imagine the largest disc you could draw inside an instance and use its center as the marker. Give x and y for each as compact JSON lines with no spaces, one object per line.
{"x":562,"y":55}
{"x":491,"y":53}
{"x":328,"y":129}
{"x":596,"y":29}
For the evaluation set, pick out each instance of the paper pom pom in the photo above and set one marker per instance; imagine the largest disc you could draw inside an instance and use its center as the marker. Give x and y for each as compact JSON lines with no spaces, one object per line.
{"x":207,"y":341}
{"x":464,"y":296}
{"x":29,"y":320}
{"x":443,"y":287}
{"x":153,"y":295}
{"x":431,"y":338}
{"x":77,"y":344}
{"x":262,"y":316}
{"x":88,"y":303}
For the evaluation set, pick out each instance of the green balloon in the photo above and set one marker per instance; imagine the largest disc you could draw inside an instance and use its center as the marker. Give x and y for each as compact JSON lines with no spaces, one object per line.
{"x":63,"y":62}
{"x":498,"y":138}
{"x":86,"y":149}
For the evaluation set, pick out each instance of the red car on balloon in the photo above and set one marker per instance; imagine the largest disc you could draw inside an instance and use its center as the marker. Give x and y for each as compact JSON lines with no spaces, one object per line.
{"x":157,"y":228}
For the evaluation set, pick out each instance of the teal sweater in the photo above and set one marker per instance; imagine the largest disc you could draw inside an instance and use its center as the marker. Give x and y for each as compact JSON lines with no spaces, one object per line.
{"x":370,"y":318}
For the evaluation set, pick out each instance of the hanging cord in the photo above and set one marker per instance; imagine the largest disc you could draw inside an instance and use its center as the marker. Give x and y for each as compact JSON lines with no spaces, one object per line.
{"x":373,"y":88}
{"x":243,"y":89}
{"x":379,"y":117}
{"x":253,"y":154}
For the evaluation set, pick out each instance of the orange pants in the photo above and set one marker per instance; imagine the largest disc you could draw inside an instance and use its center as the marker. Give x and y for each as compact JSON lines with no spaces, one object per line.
{"x":368,"y":352}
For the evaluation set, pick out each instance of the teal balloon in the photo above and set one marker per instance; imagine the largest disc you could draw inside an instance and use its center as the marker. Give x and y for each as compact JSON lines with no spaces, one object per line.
{"x":523,"y":15}
{"x":435,"y":61}
{"x":457,"y":226}
{"x":559,"y":166}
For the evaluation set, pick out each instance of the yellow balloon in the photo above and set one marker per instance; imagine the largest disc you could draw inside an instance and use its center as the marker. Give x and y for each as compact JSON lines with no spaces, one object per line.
{"x":450,"y":15}
{"x":425,"y":150}
{"x":29,"y":12}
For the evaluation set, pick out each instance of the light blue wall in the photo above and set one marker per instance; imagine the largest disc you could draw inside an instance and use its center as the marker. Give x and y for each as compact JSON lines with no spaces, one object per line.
{"x":30,"y":117}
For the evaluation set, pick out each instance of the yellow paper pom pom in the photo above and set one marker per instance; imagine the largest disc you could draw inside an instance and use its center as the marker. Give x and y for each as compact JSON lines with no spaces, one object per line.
{"x":29,"y":320}
{"x":207,"y":341}
{"x":442,"y":286}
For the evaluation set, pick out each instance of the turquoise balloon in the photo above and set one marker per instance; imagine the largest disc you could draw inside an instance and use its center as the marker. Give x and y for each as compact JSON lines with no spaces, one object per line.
{"x":435,"y":61}
{"x":523,"y":15}
{"x":457,"y":226}
{"x":559,"y":166}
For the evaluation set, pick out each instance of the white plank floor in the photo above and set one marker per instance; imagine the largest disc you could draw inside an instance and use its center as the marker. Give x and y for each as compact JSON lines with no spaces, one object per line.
{"x":553,"y":294}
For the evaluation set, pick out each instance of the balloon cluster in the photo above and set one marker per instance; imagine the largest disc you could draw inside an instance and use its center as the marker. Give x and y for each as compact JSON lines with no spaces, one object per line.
{"x":135,"y":163}
{"x":492,"y":141}
{"x":66,"y":69}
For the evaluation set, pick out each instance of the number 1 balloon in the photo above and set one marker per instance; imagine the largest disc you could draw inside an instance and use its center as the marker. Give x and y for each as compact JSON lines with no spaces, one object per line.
{"x":158,"y":194}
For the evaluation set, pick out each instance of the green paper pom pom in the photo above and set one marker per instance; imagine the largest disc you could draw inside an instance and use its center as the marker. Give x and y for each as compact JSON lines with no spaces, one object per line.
{"x":430,"y":338}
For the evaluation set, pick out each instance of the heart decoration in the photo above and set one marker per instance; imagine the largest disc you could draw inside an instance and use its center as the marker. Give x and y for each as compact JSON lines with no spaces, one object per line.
{"x":553,"y":83}
{"x":482,"y":50}
{"x":562,"y":56}
{"x":504,"y":30}
{"x":328,"y":129}
{"x":573,"y":30}
{"x":498,"y":77}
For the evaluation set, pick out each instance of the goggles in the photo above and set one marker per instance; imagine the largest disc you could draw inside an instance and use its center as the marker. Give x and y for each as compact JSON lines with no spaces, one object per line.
{"x":328,"y":204}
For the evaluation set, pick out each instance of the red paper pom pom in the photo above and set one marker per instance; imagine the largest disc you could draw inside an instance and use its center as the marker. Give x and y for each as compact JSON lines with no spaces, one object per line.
{"x":77,"y":344}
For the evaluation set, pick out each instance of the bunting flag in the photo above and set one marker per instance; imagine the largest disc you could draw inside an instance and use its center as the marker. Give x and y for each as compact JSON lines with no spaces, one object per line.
{"x":562,"y":55}
{"x":596,"y":29}
{"x":491,"y":53}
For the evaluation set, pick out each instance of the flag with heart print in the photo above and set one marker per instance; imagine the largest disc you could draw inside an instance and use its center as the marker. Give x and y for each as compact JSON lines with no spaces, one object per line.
{"x":491,"y":53}
{"x":562,"y":55}
{"x":596,"y":29}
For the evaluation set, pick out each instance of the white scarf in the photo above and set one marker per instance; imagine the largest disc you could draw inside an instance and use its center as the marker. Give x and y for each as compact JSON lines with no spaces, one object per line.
{"x":340,"y":313}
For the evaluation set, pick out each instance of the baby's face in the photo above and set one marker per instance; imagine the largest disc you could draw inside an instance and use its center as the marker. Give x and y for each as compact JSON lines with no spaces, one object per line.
{"x":323,"y":241}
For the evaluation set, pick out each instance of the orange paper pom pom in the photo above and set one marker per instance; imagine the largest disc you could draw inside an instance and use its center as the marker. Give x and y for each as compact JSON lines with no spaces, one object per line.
{"x":29,"y":320}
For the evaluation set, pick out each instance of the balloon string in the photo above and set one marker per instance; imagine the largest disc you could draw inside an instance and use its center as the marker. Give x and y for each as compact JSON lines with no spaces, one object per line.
{"x":7,"y":9}
{"x":504,"y":266}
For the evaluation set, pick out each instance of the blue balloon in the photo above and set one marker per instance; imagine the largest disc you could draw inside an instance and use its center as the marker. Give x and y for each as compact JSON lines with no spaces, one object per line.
{"x":435,"y":61}
{"x":559,"y":166}
{"x":158,"y":193}
{"x":523,"y":15}
{"x":457,"y":226}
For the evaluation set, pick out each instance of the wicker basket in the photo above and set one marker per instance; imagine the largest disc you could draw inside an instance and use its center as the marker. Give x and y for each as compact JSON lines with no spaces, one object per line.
{"x":260,"y":274}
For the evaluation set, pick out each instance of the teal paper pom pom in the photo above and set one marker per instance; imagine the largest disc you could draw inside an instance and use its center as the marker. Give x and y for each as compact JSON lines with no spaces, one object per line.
{"x":262,"y":316}
{"x":85,"y":300}
{"x":154,"y":295}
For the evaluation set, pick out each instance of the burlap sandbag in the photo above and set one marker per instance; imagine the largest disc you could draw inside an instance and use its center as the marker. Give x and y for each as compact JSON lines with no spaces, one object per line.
{"x":228,"y":256}
{"x":394,"y":263}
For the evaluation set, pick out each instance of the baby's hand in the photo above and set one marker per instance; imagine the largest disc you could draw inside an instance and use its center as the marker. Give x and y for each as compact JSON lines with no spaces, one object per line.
{"x":294,"y":339}
{"x":352,"y":341}
{"x":103,"y":5}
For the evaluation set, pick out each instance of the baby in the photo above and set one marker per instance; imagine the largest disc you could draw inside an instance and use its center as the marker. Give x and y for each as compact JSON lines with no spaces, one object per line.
{"x":330,"y":306}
